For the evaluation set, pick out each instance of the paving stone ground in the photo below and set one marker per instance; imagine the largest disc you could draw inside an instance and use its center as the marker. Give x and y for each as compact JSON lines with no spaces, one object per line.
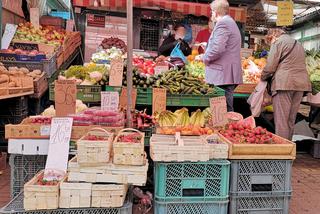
{"x":305,"y":183}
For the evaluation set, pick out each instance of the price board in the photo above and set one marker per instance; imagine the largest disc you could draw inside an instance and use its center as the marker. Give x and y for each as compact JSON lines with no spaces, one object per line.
{"x":124,"y":98}
{"x":8,"y":35}
{"x":116,"y":72}
{"x":285,"y":13}
{"x":159,"y":100}
{"x":109,"y":100}
{"x":58,"y":153}
{"x":218,"y":106}
{"x":65,"y":97}
{"x":96,"y":20}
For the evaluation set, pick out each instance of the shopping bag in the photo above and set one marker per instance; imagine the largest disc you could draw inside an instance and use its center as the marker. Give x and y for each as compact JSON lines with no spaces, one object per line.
{"x":176,"y":52}
{"x":259,"y":99}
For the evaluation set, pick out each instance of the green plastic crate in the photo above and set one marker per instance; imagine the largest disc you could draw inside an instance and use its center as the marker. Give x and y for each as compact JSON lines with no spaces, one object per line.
{"x":86,"y":93}
{"x":209,"y":207}
{"x":192,"y":181}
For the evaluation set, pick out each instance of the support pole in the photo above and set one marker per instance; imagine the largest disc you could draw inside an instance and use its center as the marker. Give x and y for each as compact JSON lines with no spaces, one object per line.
{"x":1,"y":14}
{"x":129,"y":59}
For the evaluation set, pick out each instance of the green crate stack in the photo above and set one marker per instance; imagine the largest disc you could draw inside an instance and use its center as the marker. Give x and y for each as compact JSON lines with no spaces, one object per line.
{"x":191,"y":186}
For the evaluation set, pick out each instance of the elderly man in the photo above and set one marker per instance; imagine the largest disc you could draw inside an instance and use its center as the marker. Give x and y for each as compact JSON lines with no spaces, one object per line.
{"x":222,"y":56}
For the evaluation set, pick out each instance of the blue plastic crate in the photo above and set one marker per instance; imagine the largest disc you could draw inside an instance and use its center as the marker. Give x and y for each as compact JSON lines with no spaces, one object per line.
{"x":61,"y":14}
{"x":192,"y":181}
{"x":209,"y":207}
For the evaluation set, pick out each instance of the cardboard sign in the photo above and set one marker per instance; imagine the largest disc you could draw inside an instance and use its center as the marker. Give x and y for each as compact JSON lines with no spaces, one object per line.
{"x":96,"y":21}
{"x":124,"y":98}
{"x":34,"y":17}
{"x":159,"y":100}
{"x":285,"y":13}
{"x":159,"y":69}
{"x":57,"y":160}
{"x":8,"y":35}
{"x":70,"y":25}
{"x":109,"y":100}
{"x":116,"y":72}
{"x":65,"y":97}
{"x":218,"y":106}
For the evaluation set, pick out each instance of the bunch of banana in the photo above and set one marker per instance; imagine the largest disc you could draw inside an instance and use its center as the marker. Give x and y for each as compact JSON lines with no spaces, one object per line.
{"x":207,"y":114}
{"x":183,"y":118}
{"x":167,"y":118}
{"x":197,"y":118}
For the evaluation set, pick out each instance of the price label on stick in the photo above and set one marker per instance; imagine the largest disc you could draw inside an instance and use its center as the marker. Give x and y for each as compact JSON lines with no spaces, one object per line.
{"x":218,"y":106}
{"x":124,"y":98}
{"x":65,"y":97}
{"x":57,"y":160}
{"x":159,"y":100}
{"x":159,"y":69}
{"x":8,"y":35}
{"x":34,"y":17}
{"x":116,"y":72}
{"x":109,"y":100}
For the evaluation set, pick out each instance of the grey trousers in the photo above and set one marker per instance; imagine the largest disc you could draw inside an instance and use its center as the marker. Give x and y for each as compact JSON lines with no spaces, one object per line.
{"x":229,"y":89}
{"x":286,"y":106}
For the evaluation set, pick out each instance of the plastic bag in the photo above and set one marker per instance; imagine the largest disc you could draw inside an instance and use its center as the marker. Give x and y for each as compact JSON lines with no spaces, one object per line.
{"x":259,"y":99}
{"x":176,"y":52}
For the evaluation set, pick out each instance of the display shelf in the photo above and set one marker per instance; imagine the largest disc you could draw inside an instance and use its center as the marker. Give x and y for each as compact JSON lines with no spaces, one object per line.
{"x":16,"y":207}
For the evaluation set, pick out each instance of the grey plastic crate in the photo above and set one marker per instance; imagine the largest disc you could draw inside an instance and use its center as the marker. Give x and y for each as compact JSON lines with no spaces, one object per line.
{"x":23,"y":168}
{"x":16,"y":207}
{"x":259,"y":204}
{"x":208,"y":207}
{"x":260,"y":176}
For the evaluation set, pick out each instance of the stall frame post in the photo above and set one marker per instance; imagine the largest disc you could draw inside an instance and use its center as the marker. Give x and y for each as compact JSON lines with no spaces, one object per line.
{"x":129,"y":59}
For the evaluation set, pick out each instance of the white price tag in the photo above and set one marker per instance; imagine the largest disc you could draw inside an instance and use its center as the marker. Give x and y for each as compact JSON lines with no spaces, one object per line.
{"x":109,"y":100}
{"x":8,"y":35}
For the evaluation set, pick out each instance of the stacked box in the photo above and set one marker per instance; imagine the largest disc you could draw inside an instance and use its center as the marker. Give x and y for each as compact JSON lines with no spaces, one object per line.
{"x":260,"y":186}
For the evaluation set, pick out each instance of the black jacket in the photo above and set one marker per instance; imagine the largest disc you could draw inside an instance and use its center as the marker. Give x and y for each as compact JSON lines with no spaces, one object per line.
{"x":170,"y":42}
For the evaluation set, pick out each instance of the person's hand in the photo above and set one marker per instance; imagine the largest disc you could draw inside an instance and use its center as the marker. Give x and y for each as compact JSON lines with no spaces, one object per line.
{"x":199,"y":57}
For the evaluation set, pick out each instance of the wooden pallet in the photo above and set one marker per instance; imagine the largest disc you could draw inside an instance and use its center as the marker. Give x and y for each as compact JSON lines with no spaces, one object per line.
{"x":164,"y":148}
{"x":110,"y":173}
{"x":94,"y":152}
{"x":38,"y":197}
{"x":108,"y":195}
{"x":282,"y":149}
{"x":75,"y":195}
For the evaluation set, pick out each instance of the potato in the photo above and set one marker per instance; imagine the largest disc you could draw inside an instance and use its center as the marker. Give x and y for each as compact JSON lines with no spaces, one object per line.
{"x":12,"y":84}
{"x":4,"y":78}
{"x":24,"y":70}
{"x":38,"y":72}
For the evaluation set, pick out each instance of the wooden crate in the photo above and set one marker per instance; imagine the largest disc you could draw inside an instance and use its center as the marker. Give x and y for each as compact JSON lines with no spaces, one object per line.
{"x":109,"y":173}
{"x":26,"y":130}
{"x":40,"y":86}
{"x":74,"y":195}
{"x":246,"y":88}
{"x":219,"y":150}
{"x":125,"y":153}
{"x":37,"y":197}
{"x":283,"y":149}
{"x":95,"y":152}
{"x":108,"y":195}
{"x":164,"y":148}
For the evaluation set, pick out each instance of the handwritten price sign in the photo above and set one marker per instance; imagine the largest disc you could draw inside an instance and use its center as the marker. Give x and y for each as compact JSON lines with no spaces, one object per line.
{"x":116,"y":72}
{"x":65,"y":97}
{"x":124,"y":98}
{"x":109,"y":100}
{"x":57,"y":161}
{"x":8,"y":34}
{"x":159,"y":100}
{"x":218,"y":106}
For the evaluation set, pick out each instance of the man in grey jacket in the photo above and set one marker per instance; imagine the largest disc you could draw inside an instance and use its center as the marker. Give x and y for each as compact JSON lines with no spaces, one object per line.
{"x":222,"y":56}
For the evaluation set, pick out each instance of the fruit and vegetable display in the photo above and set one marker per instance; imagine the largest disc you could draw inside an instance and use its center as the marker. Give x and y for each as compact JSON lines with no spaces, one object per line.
{"x":238,"y":133}
{"x":43,"y":182}
{"x":175,"y":81}
{"x":111,"y":42}
{"x":90,"y":74}
{"x":133,"y":137}
{"x":141,"y":120}
{"x":252,"y":68}
{"x":180,"y":121}
{"x":18,"y":72}
{"x":145,"y":66}
{"x":93,"y":137}
{"x":104,"y":56}
{"x":196,"y":69}
{"x":313,"y":68}
{"x":44,"y":35}
{"x":51,"y":112}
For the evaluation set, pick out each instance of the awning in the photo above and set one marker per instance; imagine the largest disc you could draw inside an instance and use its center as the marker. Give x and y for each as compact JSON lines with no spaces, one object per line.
{"x":197,"y":9}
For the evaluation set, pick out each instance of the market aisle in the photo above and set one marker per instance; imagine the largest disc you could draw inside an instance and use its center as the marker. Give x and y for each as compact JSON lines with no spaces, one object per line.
{"x":305,"y":181}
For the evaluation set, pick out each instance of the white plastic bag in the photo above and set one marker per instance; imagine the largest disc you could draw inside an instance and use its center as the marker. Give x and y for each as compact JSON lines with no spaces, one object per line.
{"x":259,"y":99}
